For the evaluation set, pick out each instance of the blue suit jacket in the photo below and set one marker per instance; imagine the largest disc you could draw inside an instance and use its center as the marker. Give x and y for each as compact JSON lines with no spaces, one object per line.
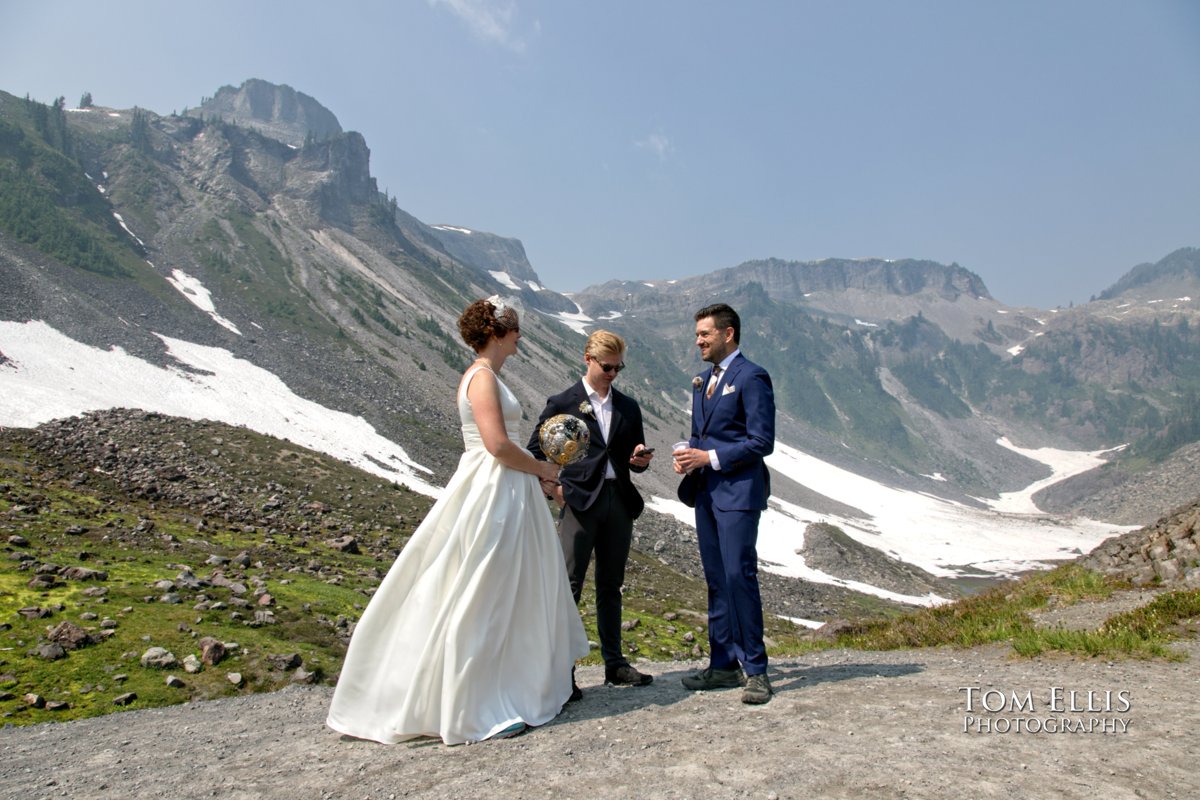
{"x":738,"y":421}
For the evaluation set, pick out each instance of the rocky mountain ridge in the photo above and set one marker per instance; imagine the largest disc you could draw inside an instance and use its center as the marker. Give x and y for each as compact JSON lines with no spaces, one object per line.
{"x":894,"y":369}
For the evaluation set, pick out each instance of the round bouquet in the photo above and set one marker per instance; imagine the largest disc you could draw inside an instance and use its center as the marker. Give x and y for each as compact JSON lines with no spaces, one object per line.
{"x":564,"y":439}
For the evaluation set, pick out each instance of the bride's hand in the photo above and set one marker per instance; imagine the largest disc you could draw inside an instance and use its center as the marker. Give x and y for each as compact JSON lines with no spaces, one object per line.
{"x":547,"y":471}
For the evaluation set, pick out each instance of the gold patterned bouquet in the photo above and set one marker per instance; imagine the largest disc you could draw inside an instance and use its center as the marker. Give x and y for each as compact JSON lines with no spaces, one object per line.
{"x":564,"y":439}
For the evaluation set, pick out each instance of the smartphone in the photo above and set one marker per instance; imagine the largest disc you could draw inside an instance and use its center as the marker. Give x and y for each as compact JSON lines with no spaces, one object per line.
{"x":645,"y":451}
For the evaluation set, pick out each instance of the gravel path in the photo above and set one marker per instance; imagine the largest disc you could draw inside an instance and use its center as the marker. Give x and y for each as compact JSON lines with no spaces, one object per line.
{"x":844,"y":724}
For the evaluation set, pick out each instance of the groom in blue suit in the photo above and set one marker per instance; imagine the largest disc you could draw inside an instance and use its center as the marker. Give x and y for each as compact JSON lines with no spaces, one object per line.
{"x":727,"y":482}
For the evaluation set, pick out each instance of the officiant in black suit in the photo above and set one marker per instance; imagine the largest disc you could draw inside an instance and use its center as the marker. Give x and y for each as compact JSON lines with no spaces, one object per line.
{"x":596,"y":494}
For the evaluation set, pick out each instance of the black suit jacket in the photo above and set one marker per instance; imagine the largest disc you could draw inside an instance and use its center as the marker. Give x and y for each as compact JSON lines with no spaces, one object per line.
{"x":582,"y":480}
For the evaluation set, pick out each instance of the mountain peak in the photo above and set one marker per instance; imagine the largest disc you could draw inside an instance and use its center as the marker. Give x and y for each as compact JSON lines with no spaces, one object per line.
{"x":1175,"y":275}
{"x":275,"y":110}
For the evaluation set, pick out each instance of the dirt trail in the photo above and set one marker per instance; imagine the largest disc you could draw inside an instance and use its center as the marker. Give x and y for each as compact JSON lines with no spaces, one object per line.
{"x":844,"y":724}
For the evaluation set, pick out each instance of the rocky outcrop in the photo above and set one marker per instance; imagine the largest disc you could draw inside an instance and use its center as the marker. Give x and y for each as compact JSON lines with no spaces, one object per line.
{"x":829,"y":549}
{"x":278,"y":111}
{"x":504,"y":259}
{"x":342,"y":167}
{"x":1167,"y":552}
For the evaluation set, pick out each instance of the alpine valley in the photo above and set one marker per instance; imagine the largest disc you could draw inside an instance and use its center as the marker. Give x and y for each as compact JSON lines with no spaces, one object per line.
{"x":235,"y":267}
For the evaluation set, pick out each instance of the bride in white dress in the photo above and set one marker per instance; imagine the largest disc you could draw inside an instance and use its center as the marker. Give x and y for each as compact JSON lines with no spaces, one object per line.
{"x":473,"y":633}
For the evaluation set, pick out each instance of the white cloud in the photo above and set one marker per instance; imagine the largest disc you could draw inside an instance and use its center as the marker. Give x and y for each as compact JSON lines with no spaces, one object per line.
{"x":490,"y":20}
{"x":657,"y":143}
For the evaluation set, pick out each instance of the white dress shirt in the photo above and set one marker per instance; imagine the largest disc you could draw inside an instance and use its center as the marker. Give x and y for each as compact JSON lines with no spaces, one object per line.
{"x":602,"y":409}
{"x":715,"y":462}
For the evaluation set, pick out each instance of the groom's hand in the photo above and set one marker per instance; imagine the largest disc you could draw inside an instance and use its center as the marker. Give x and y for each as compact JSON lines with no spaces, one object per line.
{"x":553,"y":491}
{"x":689,"y":459}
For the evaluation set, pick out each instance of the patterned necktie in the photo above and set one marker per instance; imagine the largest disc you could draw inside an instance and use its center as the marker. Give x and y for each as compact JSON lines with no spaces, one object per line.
{"x":712,"y":383}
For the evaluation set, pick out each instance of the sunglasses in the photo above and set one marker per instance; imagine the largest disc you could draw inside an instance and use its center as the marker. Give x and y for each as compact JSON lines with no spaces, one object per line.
{"x":610,"y":367}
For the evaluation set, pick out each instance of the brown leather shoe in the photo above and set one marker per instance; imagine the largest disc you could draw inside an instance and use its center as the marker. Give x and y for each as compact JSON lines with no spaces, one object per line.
{"x":626,"y":675}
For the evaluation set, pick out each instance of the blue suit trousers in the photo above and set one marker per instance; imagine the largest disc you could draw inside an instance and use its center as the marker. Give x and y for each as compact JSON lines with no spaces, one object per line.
{"x":728,"y":541}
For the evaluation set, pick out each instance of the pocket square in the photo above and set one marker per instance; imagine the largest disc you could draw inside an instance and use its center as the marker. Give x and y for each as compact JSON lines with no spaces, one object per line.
{"x":729,"y":389}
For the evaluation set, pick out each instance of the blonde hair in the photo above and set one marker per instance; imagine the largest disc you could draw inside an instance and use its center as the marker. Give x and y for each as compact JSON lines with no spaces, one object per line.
{"x":602,"y":341}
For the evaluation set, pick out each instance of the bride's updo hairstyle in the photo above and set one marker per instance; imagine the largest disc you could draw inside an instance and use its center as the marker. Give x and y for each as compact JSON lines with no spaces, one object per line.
{"x":482,"y":320}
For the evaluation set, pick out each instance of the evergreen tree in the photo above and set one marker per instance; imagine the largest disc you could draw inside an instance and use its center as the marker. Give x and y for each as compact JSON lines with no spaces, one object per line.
{"x":59,"y":136}
{"x":86,"y":100}
{"x":139,"y":131}
{"x":41,"y":117}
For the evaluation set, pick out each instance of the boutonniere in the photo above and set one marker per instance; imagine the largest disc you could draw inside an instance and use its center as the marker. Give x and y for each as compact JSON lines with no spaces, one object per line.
{"x":697,"y":382}
{"x":585,"y":408}
{"x":729,"y":389}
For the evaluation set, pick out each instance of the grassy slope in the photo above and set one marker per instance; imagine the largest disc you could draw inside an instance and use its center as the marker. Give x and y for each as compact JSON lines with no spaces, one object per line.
{"x":71,"y":515}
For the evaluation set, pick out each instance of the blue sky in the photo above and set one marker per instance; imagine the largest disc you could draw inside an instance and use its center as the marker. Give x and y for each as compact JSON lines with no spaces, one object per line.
{"x":1047,"y":145}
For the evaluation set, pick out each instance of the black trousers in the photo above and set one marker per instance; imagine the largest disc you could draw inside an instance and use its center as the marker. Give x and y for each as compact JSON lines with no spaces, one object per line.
{"x":605,"y":530}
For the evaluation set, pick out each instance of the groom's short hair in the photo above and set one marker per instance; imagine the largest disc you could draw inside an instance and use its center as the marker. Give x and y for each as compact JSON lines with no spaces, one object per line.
{"x":602,"y":341}
{"x":723,"y":317}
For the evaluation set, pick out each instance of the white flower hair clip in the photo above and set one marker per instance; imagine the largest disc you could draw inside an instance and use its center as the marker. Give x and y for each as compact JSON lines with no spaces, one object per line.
{"x":498,"y":301}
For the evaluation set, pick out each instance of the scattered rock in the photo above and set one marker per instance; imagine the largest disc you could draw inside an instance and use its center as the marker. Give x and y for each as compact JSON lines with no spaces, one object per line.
{"x":70,"y":636}
{"x":159,"y":658}
{"x":212,"y":651}
{"x":302,"y":675}
{"x":51,"y":651}
{"x":43,"y":581}
{"x":345,"y":544}
{"x":285,"y":662}
{"x":35,"y":612}
{"x":832,"y":629}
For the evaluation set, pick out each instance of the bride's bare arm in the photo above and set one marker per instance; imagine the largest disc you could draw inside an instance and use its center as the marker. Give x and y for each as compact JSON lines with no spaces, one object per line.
{"x":484,"y":394}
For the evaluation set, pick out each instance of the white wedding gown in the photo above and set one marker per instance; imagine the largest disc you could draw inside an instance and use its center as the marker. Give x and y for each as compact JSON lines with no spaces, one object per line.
{"x":474,"y":628}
